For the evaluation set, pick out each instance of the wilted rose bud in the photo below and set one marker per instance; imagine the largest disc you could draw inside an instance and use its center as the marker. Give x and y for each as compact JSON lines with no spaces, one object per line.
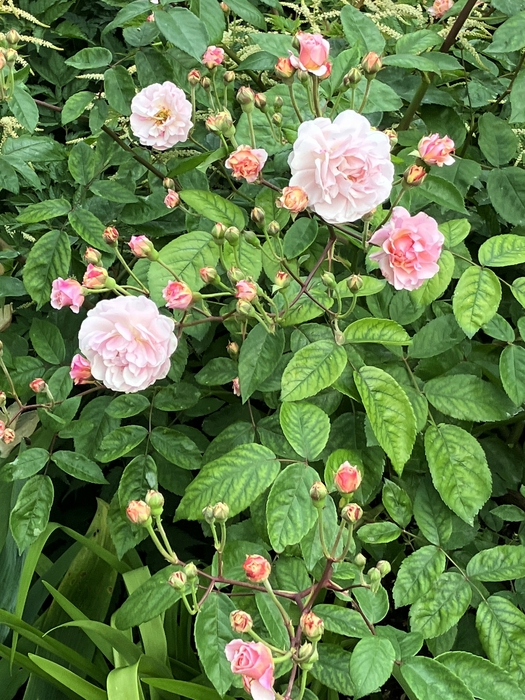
{"x":252,"y":238}
{"x":38,"y":385}
{"x":232,"y":235}
{"x":383,"y":567}
{"x":228,"y":77}
{"x":256,"y":568}
{"x":233,"y":350}
{"x":414,"y":175}
{"x":313,"y":626}
{"x":172,"y":199}
{"x":92,"y":256}
{"x":354,"y":283}
{"x":360,"y":561}
{"x":178,"y":580}
{"x":191,"y":571}
{"x":139,"y":513}
{"x":318,"y":492}
{"x":353,"y":76}
{"x":12,"y":37}
{"x":351,"y":513}
{"x":294,"y":199}
{"x":282,"y":280}
{"x":257,"y":215}
{"x":194,"y":77}
{"x":241,"y":621}
{"x":246,"y":98}
{"x":260,"y":101}
{"x":8,"y":436}
{"x":274,"y":228}
{"x":95,"y":277}
{"x":284,"y":69}
{"x":206,"y":82}
{"x":347,"y":478}
{"x":371,"y":64}
{"x":218,"y":231}
{"x":155,"y":501}
{"x":235,"y":275}
{"x":208,"y":274}
{"x":221,"y":512}
{"x":207,"y":514}
{"x":328,"y":279}
{"x":236,"y":386}
{"x":110,"y":235}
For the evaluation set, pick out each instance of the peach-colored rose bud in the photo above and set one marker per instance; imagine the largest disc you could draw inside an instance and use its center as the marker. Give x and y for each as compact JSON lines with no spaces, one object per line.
{"x":141,"y":246}
{"x":256,"y":568}
{"x":371,"y":64}
{"x":313,"y":54}
{"x":318,"y":491}
{"x":178,"y":580}
{"x":224,"y":7}
{"x":434,"y":150}
{"x":213,"y":56}
{"x":67,"y":293}
{"x":440,"y":7}
{"x":241,"y":621}
{"x":218,"y":231}
{"x":38,"y":385}
{"x":282,"y":280}
{"x":313,"y":626}
{"x":236,"y":387}
{"x":383,"y":567}
{"x":294,"y":199}
{"x":354,"y":283}
{"x":257,"y":215}
{"x":261,"y":101}
{"x":138,"y":512}
{"x":177,"y":295}
{"x":194,"y":77}
{"x":221,"y":123}
{"x":284,"y":69}
{"x":221,"y":512}
{"x":172,"y":199}
{"x":155,"y":501}
{"x":2,"y":428}
{"x":80,"y":371}
{"x":414,"y":175}
{"x":208,"y":274}
{"x":246,"y":163}
{"x":168,"y":183}
{"x":233,"y":350}
{"x":92,"y":256}
{"x":347,"y":478}
{"x":247,"y":291}
{"x":95,"y":277}
{"x":8,"y":436}
{"x":351,"y":513}
{"x":110,"y":235}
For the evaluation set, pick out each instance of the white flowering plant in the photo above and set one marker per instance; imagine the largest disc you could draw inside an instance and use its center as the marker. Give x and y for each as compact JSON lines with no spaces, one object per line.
{"x":262,"y":370}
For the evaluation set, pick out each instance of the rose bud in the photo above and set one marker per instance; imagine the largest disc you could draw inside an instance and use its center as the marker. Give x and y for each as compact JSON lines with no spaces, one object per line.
{"x":232,"y":235}
{"x":360,"y":561}
{"x":347,"y":478}
{"x":274,"y":228}
{"x":168,"y":183}
{"x":241,"y":621}
{"x":260,"y":101}
{"x":92,"y":256}
{"x":353,"y":77}
{"x":233,"y":350}
{"x":235,"y":275}
{"x":155,"y":501}
{"x":228,"y":77}
{"x":351,"y":513}
{"x":256,"y":568}
{"x":178,"y":580}
{"x":2,"y":60}
{"x":177,"y":295}
{"x":8,"y":436}
{"x":247,"y":291}
{"x":207,"y":514}
{"x":191,"y":571}
{"x":375,"y":579}
{"x":281,"y":281}
{"x":294,"y":199}
{"x":38,"y":385}
{"x":236,"y":385}
{"x":313,"y":626}
{"x":80,"y":371}
{"x":224,"y":7}
{"x":12,"y":37}
{"x":2,"y":428}
{"x":95,"y":277}
{"x":110,"y":235}
{"x":278,"y":103}
{"x":221,"y":512}
{"x":10,"y":57}
{"x":3,"y":398}
{"x":194,"y":77}
{"x":213,"y":57}
{"x":318,"y":492}
{"x":277,"y":118}
{"x":245,"y":309}
{"x":142,"y":247}
{"x":139,"y":513}
{"x":218,"y":231}
{"x":208,"y":274}
{"x":172,"y":199}
{"x":328,"y":279}
{"x":383,"y":567}
{"x":354,"y":283}
{"x":284,"y":70}
{"x":434,"y":150}
{"x":246,"y":98}
{"x":371,"y":65}
{"x":257,"y":215}
{"x":252,"y":238}
{"x":392,"y":135}
{"x":414,"y":175}
{"x":206,"y":82}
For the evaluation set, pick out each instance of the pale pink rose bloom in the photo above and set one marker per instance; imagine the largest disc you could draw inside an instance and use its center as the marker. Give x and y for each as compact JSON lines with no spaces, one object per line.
{"x":127,"y":342}
{"x":435,"y":150}
{"x":236,"y":387}
{"x":247,"y":163}
{"x":247,"y":291}
{"x":80,"y":371}
{"x":141,"y":246}
{"x":439,"y":8}
{"x":410,"y":248}
{"x":177,"y":295}
{"x":213,"y":56}
{"x":343,"y":166}
{"x":252,"y":660}
{"x":172,"y":199}
{"x":313,"y":54}
{"x":161,"y":116}
{"x":67,"y":293}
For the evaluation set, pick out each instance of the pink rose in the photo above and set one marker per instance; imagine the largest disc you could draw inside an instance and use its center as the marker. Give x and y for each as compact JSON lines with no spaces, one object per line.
{"x":410,"y":248}
{"x":435,"y":150}
{"x":347,"y":478}
{"x":313,"y":54}
{"x":38,"y":385}
{"x":247,"y":291}
{"x":177,"y":295}
{"x":247,"y":162}
{"x":67,"y":293}
{"x":439,"y":8}
{"x":236,"y":387}
{"x":172,"y":199}
{"x":252,"y":660}
{"x":95,"y":277}
{"x":343,"y":166}
{"x":141,"y":246}
{"x":213,"y":56}
{"x":80,"y":371}
{"x":161,"y":116}
{"x":138,"y":512}
{"x":127,"y":342}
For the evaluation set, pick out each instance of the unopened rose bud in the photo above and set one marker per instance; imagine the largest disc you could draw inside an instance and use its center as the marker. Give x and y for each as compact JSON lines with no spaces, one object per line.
{"x":252,"y":238}
{"x":194,"y":77}
{"x":278,"y":103}
{"x":383,"y":567}
{"x":246,"y":98}
{"x":3,"y":398}
{"x":303,"y":76}
{"x":233,"y":350}
{"x":178,"y":580}
{"x":257,"y":215}
{"x":168,"y":183}
{"x":347,"y":478}
{"x":235,"y":275}
{"x":296,"y":44}
{"x":38,"y":385}
{"x":8,"y":436}
{"x":392,"y":137}
{"x":353,"y":77}
{"x":110,"y":235}
{"x":191,"y":571}
{"x":318,"y":492}
{"x":236,"y":386}
{"x":360,"y":561}
{"x":95,"y":277}
{"x":218,"y":231}
{"x":369,"y":215}
{"x":414,"y":175}
{"x":208,"y":275}
{"x":277,"y":118}
{"x":10,"y":57}
{"x":313,"y":626}
{"x":281,"y":280}
{"x":155,"y":501}
{"x":354,"y":283}
{"x":371,"y":65}
{"x":12,"y":37}
{"x":142,"y":247}
{"x":328,"y":279}
{"x":306,"y":656}
{"x":139,"y":513}
{"x":92,"y":256}
{"x":284,"y":70}
{"x":339,"y":337}
{"x":375,"y":579}
{"x":232,"y":235}
{"x":244,"y":307}
{"x":207,"y":514}
{"x":221,"y":123}
{"x":172,"y":199}
{"x":274,"y":228}
{"x":224,"y":7}
{"x":2,"y":60}
{"x":256,"y":568}
{"x":241,"y":621}
{"x":351,"y":513}
{"x":221,"y":512}
{"x":206,"y":82}
{"x":260,"y":101}
{"x":228,"y":77}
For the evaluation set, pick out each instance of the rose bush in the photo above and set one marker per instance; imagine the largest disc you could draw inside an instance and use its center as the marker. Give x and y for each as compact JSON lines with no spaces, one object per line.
{"x":262,"y":361}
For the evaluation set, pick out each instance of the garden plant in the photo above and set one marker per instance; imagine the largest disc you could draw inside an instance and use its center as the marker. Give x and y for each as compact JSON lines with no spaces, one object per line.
{"x":262,"y":349}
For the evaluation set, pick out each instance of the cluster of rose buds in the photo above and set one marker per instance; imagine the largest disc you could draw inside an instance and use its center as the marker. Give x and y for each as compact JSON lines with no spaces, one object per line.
{"x":431,"y":150}
{"x":7,"y":435}
{"x":8,"y":57}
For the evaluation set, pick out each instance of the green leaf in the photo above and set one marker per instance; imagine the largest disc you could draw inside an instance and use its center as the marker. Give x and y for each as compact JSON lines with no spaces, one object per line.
{"x":442,"y":192}
{"x":371,"y":286}
{"x":248,"y":12}
{"x":376,"y":330}
{"x":23,"y":107}
{"x":299,"y":237}
{"x":259,"y":355}
{"x":506,"y":188}
{"x":11,"y":287}
{"x":44,"y":210}
{"x":290,"y":513}
{"x":484,"y":679}
{"x":212,"y":633}
{"x":47,"y":341}
{"x":82,"y":163}
{"x":379,"y":533}
{"x":510,"y":36}
{"x":90,"y":58}
{"x":89,"y":228}
{"x":312,"y":369}
{"x":503,"y":563}
{"x":455,"y":231}
{"x":78,"y":466}
{"x":148,"y":601}
{"x":333,"y":667}
{"x":30,"y":514}
{"x":75,"y":106}
{"x":397,"y":503}
{"x":348,"y":623}
{"x":273,"y":620}
{"x":390,"y":413}
{"x":176,"y":447}
{"x":433,"y":288}
{"x":497,"y":141}
{"x":120,"y":441}
{"x":432,"y":516}
{"x":113,"y":191}
{"x":518,"y":290}
{"x":214,"y":207}
{"x":510,"y":513}
{"x":177,"y":397}
{"x":26,"y":464}
{"x":512,"y":372}
{"x":70,"y":680}
{"x":500,"y":251}
{"x":436,"y":336}
{"x":442,"y":606}
{"x":237,"y":479}
{"x":306,"y":427}
{"x":517,"y":99}
{"x":185,"y":689}
{"x":219,"y":370}
{"x":501,"y":629}
{"x":476,"y":299}
{"x":119,"y":89}
{"x":417,"y":41}
{"x":139,"y":476}
{"x":360,"y":29}
{"x":412,"y":61}
{"x":417,"y":574}
{"x":212,"y":16}
{"x":459,"y":469}
{"x":48,"y":259}
{"x":429,"y":680}
{"x":127,"y":405}
{"x":467,"y":397}
{"x":371,"y":664}
{"x":184,"y":30}
{"x":499,"y":328}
